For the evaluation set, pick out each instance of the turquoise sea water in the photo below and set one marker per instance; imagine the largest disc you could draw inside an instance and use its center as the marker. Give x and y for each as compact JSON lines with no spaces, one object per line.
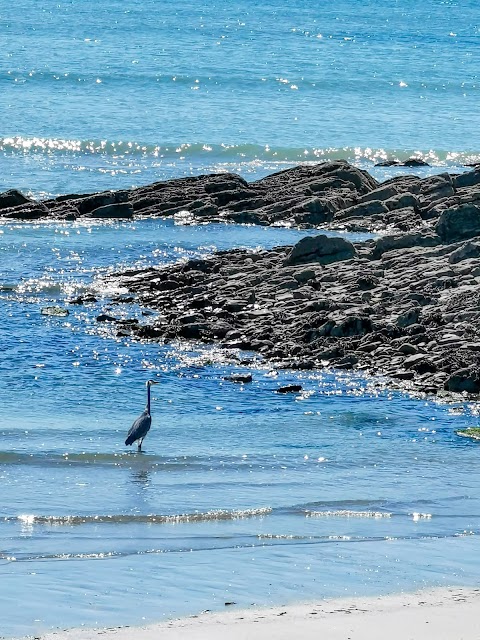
{"x":241,"y":495}
{"x":133,"y":91}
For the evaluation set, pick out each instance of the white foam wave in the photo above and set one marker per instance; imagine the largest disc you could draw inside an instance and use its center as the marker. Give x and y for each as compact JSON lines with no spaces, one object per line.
{"x":347,"y":513}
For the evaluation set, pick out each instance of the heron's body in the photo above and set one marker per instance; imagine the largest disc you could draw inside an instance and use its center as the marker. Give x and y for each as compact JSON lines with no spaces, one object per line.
{"x":142,"y":424}
{"x":139,"y":429}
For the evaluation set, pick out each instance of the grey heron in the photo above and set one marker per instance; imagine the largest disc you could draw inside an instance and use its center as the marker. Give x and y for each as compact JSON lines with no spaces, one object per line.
{"x":142,"y":424}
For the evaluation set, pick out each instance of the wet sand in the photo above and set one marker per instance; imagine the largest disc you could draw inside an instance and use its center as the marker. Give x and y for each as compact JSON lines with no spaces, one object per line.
{"x":441,"y":614}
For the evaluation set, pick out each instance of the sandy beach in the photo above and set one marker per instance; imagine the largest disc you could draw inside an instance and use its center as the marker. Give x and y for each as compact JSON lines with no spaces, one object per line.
{"x":448,"y":613}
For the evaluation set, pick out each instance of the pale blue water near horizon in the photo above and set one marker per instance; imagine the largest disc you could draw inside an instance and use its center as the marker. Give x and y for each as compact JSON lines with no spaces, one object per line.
{"x":241,"y":495}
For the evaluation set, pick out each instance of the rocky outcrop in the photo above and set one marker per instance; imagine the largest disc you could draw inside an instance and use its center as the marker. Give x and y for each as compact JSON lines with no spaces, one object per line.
{"x":405,"y":306}
{"x":328,"y":195}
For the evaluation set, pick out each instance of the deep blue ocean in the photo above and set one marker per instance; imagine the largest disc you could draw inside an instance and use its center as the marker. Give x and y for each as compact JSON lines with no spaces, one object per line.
{"x":241,"y":494}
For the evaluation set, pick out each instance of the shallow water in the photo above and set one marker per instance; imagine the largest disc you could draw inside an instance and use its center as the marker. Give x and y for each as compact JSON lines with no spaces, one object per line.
{"x":241,"y":494}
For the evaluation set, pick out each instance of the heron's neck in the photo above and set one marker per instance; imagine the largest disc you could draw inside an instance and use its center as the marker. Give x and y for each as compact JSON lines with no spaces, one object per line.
{"x":148,"y":398}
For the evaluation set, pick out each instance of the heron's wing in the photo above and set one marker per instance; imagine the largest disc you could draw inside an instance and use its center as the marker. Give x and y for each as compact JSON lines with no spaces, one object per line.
{"x":139,"y":428}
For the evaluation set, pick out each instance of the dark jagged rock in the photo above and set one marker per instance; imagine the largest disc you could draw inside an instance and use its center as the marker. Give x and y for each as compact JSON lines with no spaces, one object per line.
{"x":406,"y":304}
{"x":103,"y":317}
{"x":370,"y":208}
{"x":320,"y":175}
{"x":405,"y":241}
{"x":382,"y":193}
{"x":415,"y":162}
{"x":80,"y":300}
{"x":464,"y":380}
{"x":411,"y":162}
{"x":468,"y":179}
{"x":91,"y":203}
{"x":459,"y":223}
{"x":388,"y":163}
{"x":12,"y":198}
{"x":465,"y":252}
{"x":352,"y":326}
{"x":29,"y":211}
{"x":304,"y":196}
{"x":114,"y":210}
{"x":333,"y":195}
{"x":401,"y":201}
{"x":290,"y":388}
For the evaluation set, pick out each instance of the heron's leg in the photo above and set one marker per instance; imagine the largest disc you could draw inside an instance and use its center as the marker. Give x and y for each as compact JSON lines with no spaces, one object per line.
{"x":140,"y":444}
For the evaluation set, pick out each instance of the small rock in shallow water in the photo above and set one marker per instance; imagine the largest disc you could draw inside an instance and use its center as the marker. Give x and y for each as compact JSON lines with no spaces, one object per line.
{"x":239,"y":378}
{"x":473,"y":433}
{"x":83,"y":300}
{"x":290,"y":388}
{"x":54,"y":311}
{"x":463,"y":380}
{"x":415,"y":162}
{"x":103,"y":317}
{"x":388,"y":163}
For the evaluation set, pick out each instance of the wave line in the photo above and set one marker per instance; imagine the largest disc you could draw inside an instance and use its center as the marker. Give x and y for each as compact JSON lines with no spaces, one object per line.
{"x":226,"y":152}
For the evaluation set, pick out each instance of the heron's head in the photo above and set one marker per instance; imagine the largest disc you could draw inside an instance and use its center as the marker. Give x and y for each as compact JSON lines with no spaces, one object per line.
{"x":150,"y":382}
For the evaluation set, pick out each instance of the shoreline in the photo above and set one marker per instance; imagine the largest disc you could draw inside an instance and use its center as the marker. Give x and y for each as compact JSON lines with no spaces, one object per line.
{"x":448,"y":613}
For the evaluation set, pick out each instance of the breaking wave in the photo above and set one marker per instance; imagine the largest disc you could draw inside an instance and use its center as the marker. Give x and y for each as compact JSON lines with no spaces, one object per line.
{"x":227,"y":153}
{"x":208,"y":516}
{"x":347,"y":513}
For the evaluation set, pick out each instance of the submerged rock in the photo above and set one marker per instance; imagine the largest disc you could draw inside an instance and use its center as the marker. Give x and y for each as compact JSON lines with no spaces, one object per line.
{"x":471,"y":432}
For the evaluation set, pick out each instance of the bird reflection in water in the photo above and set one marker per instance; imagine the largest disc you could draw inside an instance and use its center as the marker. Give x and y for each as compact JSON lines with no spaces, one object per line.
{"x":141,"y":477}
